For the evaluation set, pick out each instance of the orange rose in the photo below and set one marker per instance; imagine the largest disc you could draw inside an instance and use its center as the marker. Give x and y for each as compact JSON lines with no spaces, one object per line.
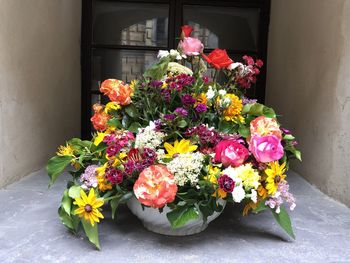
{"x":100,"y":118}
{"x":264,"y":126}
{"x":117,"y":91}
{"x":155,"y":186}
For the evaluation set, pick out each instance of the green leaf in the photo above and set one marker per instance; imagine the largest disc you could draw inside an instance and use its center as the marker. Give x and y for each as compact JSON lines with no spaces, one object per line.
{"x":158,"y":70}
{"x":261,"y":207}
{"x":226,"y":127}
{"x":297,"y":154}
{"x":115,"y":123}
{"x":182,"y":124}
{"x":134,"y":127}
{"x":269,"y":112}
{"x":131,"y":110}
{"x":66,"y":219}
{"x":244,"y":131}
{"x":66,"y":202}
{"x":114,"y":205}
{"x":56,"y":165}
{"x":91,"y":232}
{"x":283,"y":219}
{"x":74,"y":191}
{"x":288,"y":137}
{"x":76,"y":142}
{"x":180,"y":215}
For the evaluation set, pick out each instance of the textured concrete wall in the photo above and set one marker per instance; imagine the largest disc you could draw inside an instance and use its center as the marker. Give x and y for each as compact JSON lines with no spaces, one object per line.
{"x":39,"y":82}
{"x":309,"y":85}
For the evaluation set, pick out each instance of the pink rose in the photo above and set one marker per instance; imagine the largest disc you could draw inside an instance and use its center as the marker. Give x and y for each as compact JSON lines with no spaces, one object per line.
{"x":191,"y":46}
{"x":266,"y":148}
{"x":230,"y":153}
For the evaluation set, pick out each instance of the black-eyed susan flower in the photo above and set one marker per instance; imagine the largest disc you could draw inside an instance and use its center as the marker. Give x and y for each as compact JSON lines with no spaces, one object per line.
{"x":89,"y":207}
{"x":275,"y":174}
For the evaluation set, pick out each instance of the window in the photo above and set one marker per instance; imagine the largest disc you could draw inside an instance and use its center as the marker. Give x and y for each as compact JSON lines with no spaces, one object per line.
{"x":120,"y":39}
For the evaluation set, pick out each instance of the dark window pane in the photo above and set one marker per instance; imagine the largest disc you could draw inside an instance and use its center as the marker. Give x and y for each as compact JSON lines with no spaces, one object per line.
{"x":133,"y":24}
{"x":125,"y":65}
{"x":224,"y":27}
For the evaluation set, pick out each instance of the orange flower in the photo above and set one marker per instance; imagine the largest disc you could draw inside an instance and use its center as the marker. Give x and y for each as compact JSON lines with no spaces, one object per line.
{"x":117,"y":91}
{"x":264,"y":126}
{"x":100,"y":118}
{"x":155,"y":186}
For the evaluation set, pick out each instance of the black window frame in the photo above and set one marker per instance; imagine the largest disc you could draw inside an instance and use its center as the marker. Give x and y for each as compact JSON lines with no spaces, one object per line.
{"x":175,"y":22}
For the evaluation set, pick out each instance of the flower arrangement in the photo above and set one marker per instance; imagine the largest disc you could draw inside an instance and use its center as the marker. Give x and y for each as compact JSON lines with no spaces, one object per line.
{"x":177,"y":138}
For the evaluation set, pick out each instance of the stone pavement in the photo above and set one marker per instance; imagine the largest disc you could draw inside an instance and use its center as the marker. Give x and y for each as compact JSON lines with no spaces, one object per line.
{"x":30,"y":231}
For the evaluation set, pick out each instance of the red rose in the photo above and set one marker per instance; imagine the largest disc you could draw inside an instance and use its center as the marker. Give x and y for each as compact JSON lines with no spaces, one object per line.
{"x":186,"y":30}
{"x":218,"y":58}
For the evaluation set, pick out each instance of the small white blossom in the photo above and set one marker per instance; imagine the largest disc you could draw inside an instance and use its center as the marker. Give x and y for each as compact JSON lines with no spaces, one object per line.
{"x":222,"y":92}
{"x":186,"y":167}
{"x":163,"y":53}
{"x":254,"y":196}
{"x":236,"y":65}
{"x":175,"y":54}
{"x":238,"y":193}
{"x":149,"y":137}
{"x":210,"y":93}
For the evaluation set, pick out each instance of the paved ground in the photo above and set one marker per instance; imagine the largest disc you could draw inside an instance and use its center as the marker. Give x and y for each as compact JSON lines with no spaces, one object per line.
{"x":30,"y":231}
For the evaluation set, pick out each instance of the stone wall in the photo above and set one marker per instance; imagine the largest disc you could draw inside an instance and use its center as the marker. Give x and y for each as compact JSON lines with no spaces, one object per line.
{"x":40,"y":82}
{"x":309,"y":85}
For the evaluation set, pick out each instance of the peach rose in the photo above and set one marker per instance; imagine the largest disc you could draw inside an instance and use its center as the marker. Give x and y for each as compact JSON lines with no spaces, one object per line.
{"x":117,"y":91}
{"x":100,"y":118}
{"x":155,"y":186}
{"x":263,"y":126}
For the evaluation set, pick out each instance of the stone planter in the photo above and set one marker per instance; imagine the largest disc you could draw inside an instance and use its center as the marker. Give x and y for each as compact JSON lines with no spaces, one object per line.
{"x":157,"y":222}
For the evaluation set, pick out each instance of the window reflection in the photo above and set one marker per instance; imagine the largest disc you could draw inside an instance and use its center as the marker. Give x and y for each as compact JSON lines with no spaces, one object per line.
{"x":130,"y":24}
{"x":225,"y":27}
{"x":125,"y":65}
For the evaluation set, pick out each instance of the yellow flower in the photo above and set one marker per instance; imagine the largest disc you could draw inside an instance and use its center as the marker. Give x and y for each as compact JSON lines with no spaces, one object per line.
{"x":248,"y":175}
{"x":275,"y":174}
{"x":133,"y":84}
{"x":103,"y":184}
{"x":67,"y":150}
{"x":100,"y":135}
{"x":88,"y":207}
{"x":164,"y":85}
{"x":262,"y":192}
{"x":212,"y":177}
{"x":201,"y":99}
{"x":179,"y":147}
{"x":248,"y":207}
{"x":118,"y":161}
{"x":234,"y":110}
{"x":112,"y":106}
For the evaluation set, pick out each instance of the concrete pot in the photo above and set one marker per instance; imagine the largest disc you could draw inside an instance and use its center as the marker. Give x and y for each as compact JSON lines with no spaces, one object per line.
{"x":157,"y":222}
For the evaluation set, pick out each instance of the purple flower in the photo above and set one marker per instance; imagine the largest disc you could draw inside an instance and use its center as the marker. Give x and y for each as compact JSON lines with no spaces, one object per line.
{"x":169,"y":117}
{"x":281,"y":195}
{"x":246,"y":100}
{"x":166,"y":94}
{"x":187,"y":99}
{"x":201,"y":108}
{"x":114,"y":176}
{"x":156,"y":83}
{"x":205,"y":79}
{"x":285,"y":131}
{"x":88,"y":178}
{"x":226,"y":183}
{"x":182,"y":112}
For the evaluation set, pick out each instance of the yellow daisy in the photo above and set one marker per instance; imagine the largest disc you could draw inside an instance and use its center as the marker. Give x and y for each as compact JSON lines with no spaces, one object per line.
{"x":112,"y":106}
{"x":67,"y":150}
{"x":234,"y":110}
{"x":88,"y":207}
{"x":201,"y":99}
{"x":275,"y":174}
{"x":184,"y":146}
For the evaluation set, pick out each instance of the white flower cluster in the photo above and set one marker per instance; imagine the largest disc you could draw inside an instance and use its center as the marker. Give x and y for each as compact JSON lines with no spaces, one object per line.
{"x":173,"y":54}
{"x":148,"y":137}
{"x":177,"y":68}
{"x":186,"y":167}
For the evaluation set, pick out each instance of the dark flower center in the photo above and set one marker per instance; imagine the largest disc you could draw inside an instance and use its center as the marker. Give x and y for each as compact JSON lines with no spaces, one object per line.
{"x":277,"y":179}
{"x":88,"y":208}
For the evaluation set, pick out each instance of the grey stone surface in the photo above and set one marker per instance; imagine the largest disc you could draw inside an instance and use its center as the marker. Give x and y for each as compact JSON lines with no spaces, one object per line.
{"x":30,"y":231}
